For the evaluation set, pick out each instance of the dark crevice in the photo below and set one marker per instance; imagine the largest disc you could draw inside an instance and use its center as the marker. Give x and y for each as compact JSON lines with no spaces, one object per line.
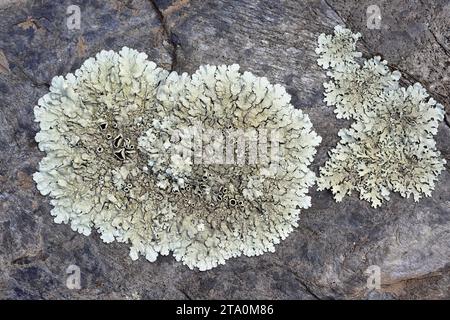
{"x":185,"y":294}
{"x":25,"y":75}
{"x":335,"y":11}
{"x":447,"y":53}
{"x":433,"y":274}
{"x":442,"y":46}
{"x":305,"y":286}
{"x":446,"y":120}
{"x":168,"y":33}
{"x":27,"y":259}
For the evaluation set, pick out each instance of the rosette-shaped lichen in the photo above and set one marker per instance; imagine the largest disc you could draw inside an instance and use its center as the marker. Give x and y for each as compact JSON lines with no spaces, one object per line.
{"x":356,"y":88}
{"x":390,"y":146}
{"x":339,"y":50}
{"x":374,"y":167}
{"x":135,"y":153}
{"x":405,"y":115}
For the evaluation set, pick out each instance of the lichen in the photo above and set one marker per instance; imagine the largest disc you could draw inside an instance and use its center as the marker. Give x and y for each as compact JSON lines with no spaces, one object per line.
{"x":119,"y":137}
{"x":354,"y":90}
{"x":390,"y":146}
{"x":339,"y":50}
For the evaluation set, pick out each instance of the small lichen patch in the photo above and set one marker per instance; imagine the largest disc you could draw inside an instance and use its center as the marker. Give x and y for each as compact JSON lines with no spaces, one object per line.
{"x":390,"y":146}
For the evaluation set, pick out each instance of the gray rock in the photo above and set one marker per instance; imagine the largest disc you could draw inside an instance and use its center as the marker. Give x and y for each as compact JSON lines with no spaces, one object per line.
{"x":328,"y":254}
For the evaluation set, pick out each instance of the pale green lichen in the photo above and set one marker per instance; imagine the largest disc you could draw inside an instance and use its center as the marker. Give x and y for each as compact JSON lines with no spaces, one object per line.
{"x":357,"y":87}
{"x":114,"y":163}
{"x":339,"y":50}
{"x":390,"y":146}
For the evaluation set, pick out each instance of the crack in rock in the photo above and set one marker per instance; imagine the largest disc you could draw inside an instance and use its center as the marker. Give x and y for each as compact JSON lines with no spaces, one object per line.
{"x":168,"y":33}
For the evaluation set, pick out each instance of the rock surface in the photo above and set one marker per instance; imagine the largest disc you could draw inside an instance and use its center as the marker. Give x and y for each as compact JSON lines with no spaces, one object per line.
{"x":328,"y":254}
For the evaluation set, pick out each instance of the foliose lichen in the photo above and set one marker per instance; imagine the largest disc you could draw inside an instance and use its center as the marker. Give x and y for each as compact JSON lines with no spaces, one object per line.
{"x":138,"y":154}
{"x":390,"y":146}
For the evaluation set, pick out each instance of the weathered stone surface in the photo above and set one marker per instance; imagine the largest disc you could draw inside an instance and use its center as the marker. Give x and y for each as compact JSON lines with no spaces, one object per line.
{"x":326,"y":257}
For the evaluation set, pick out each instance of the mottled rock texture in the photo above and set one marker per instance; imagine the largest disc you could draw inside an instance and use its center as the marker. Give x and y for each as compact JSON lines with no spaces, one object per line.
{"x":326,"y":257}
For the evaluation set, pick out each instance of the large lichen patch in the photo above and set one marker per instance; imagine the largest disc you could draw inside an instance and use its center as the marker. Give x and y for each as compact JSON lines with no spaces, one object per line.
{"x":116,"y":135}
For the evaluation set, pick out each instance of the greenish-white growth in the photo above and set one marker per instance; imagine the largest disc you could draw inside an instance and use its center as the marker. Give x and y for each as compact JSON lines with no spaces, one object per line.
{"x":116,"y":135}
{"x":390,"y":146}
{"x":338,"y":51}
